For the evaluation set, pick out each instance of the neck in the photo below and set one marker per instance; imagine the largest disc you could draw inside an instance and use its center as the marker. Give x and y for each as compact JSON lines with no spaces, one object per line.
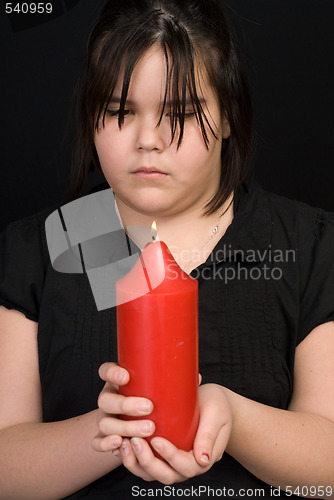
{"x":189,"y":236}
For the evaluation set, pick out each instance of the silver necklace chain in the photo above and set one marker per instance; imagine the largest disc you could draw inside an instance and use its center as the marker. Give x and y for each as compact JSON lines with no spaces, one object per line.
{"x":216,"y":226}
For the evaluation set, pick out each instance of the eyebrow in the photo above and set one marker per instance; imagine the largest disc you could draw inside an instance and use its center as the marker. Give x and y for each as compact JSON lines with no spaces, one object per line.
{"x":117,"y":100}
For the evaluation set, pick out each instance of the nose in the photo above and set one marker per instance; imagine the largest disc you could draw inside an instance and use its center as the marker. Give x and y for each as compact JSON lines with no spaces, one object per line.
{"x":150,"y":136}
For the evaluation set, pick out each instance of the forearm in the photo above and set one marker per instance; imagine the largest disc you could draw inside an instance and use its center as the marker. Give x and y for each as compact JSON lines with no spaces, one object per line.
{"x":281,"y":447}
{"x":50,"y":460}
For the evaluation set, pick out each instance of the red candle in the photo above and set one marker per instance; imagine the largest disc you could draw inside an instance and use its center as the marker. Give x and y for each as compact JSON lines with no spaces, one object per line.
{"x":157,"y":335}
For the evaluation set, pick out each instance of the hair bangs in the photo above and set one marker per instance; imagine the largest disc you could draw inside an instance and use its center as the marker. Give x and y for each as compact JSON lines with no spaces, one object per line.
{"x":112,"y":64}
{"x":181,"y":87}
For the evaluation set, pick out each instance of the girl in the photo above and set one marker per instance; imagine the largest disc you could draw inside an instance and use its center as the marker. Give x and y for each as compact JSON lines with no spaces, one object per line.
{"x":165,"y":113}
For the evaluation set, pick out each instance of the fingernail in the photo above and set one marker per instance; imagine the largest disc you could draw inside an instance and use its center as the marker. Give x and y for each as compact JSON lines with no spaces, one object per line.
{"x":124,"y":449}
{"x":146,"y":427}
{"x":115,"y":443}
{"x":121,"y":375}
{"x":136,"y":444}
{"x":205,"y":458}
{"x":157,"y":445}
{"x":144,"y":406}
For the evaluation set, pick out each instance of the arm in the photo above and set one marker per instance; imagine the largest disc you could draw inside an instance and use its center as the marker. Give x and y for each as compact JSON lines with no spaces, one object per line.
{"x":292,"y":447}
{"x":283,"y":448}
{"x":34,"y":455}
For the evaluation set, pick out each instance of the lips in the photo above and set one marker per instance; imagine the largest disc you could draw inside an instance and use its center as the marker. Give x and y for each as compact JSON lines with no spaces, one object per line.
{"x":149,"y":170}
{"x":149,"y":173}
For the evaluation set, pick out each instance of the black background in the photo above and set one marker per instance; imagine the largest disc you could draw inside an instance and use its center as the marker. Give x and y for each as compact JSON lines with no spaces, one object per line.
{"x":288,"y":48}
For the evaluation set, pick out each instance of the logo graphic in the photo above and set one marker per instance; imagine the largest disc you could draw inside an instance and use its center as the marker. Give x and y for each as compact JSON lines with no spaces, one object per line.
{"x":86,"y":236}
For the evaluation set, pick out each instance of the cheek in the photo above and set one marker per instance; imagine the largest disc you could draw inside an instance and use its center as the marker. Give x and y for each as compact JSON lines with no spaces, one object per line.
{"x":101,"y":145}
{"x":202,"y":165}
{"x":108,"y":149}
{"x":193,"y":150}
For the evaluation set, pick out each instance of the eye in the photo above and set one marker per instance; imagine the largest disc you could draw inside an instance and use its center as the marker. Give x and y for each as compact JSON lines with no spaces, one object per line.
{"x":189,"y":115}
{"x":115,"y":112}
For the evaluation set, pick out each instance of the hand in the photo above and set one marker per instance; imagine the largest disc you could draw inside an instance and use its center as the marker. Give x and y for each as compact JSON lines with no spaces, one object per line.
{"x":111,"y":404}
{"x":210,"y":442}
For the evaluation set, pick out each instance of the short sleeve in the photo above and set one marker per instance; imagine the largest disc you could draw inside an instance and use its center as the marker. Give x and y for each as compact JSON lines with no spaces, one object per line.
{"x":22,"y":266}
{"x":317,"y":276}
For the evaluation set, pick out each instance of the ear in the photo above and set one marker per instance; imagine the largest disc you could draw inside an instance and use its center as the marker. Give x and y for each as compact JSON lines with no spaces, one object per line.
{"x":226,"y":130}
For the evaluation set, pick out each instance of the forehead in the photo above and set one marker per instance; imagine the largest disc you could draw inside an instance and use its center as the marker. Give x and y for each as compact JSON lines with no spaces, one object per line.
{"x":155,"y":74}
{"x":149,"y":74}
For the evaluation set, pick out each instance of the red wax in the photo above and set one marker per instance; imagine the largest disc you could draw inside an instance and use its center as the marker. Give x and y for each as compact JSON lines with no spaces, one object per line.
{"x":157,"y":334}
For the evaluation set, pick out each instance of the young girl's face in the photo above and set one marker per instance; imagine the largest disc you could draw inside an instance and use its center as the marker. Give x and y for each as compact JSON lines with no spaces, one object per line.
{"x":148,"y":173}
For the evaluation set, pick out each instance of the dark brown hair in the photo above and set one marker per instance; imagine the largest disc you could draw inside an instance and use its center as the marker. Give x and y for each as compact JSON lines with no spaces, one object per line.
{"x":188,"y":32}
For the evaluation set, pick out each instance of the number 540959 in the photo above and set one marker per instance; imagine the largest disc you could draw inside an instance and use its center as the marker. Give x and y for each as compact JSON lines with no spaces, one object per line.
{"x":28,"y":8}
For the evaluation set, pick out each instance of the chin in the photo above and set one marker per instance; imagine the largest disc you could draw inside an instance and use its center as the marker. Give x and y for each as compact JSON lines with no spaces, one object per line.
{"x":152,"y":210}
{"x":151,"y":206}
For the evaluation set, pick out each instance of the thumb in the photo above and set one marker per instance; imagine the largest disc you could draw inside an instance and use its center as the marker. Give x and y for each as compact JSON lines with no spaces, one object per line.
{"x":213,"y":432}
{"x":203,"y":446}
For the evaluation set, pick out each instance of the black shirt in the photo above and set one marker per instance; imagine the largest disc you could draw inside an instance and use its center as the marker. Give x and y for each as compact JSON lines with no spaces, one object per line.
{"x":267,"y":284}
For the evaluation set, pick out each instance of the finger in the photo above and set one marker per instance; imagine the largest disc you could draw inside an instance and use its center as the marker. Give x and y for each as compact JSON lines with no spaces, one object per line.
{"x":106,"y":443}
{"x":212,"y":435}
{"x":114,"y":374}
{"x":155,"y":467}
{"x":199,"y":379}
{"x":203,"y":447}
{"x":131,"y":463}
{"x":182,"y":461}
{"x":115,"y":426}
{"x":117,"y":404}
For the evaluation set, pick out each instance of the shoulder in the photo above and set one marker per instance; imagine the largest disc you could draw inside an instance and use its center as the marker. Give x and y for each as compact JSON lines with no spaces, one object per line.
{"x":23,"y":264}
{"x":294,"y":220}
{"x":298,"y":240}
{"x":34,"y":221}
{"x":28,"y":231}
